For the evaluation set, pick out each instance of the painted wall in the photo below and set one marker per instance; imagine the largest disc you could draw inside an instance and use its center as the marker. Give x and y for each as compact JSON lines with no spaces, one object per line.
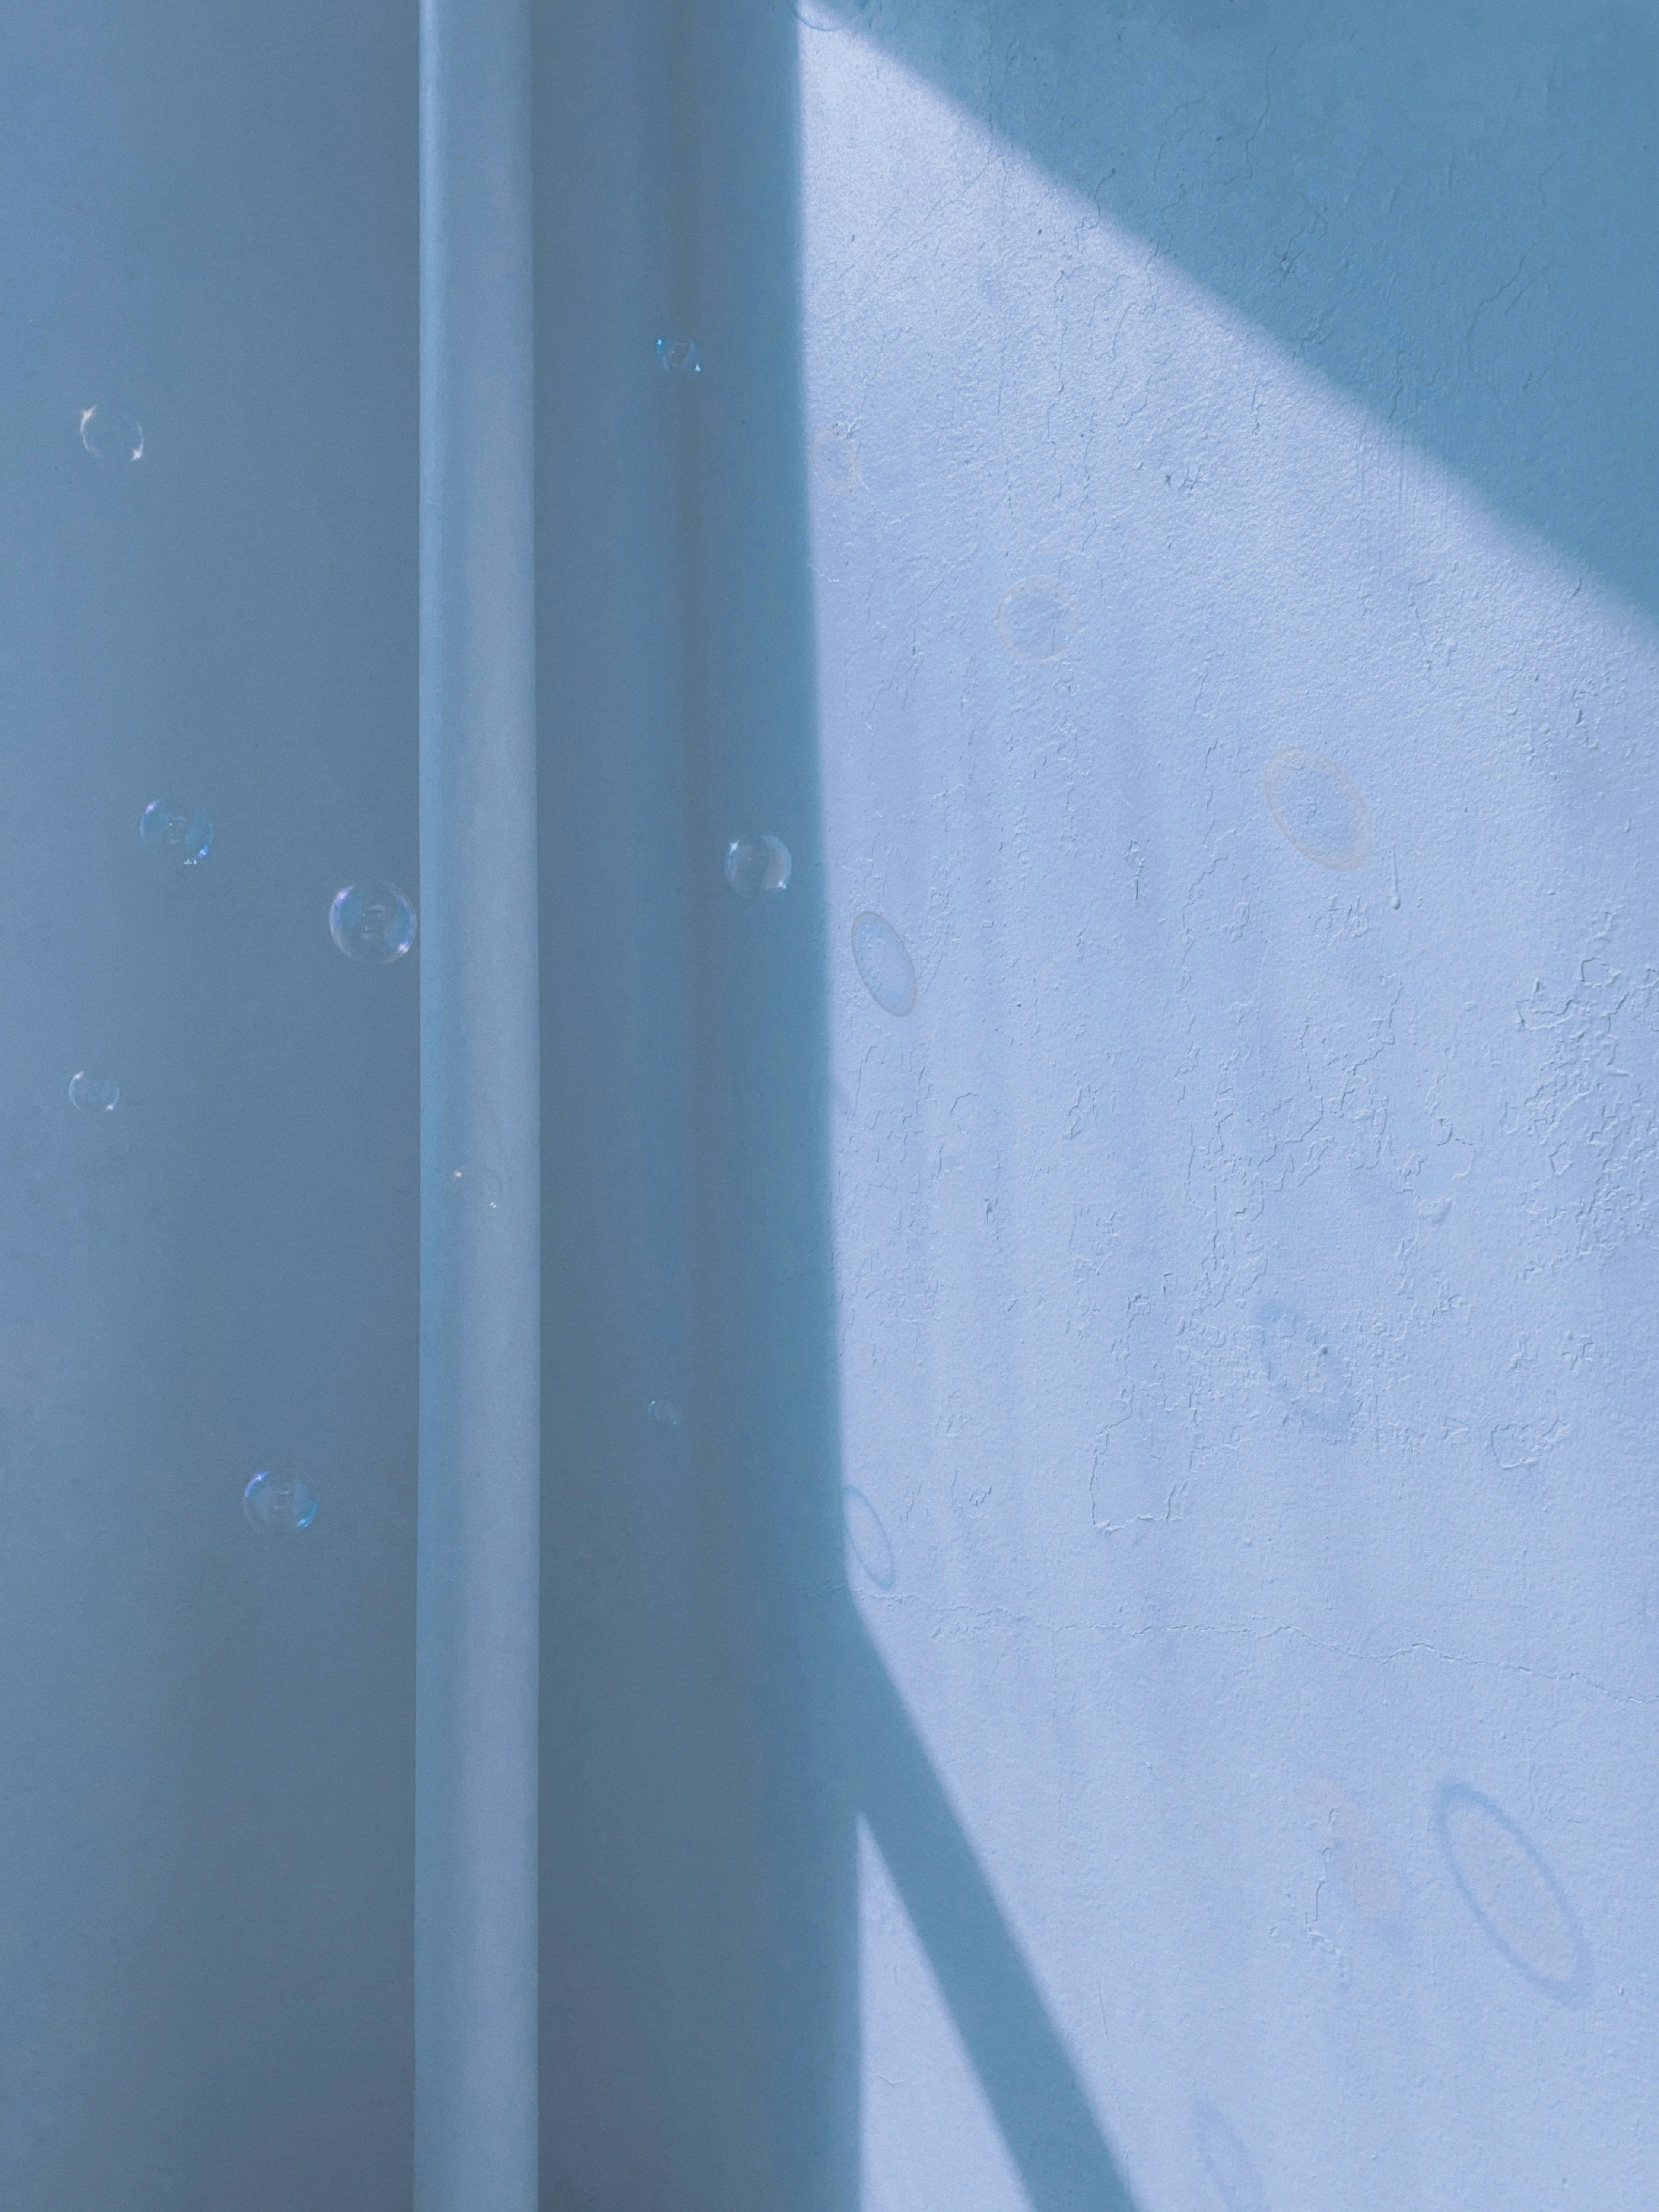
{"x":1230,"y":431}
{"x":207,"y":224}
{"x":1100,"y":1344}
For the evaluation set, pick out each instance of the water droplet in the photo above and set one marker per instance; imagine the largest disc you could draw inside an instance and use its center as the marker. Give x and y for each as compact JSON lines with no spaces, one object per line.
{"x":881,"y":961}
{"x":679,"y":356}
{"x":1318,"y":808}
{"x":755,"y":866}
{"x":1512,"y":1894}
{"x":280,"y":1502}
{"x":836,"y":458}
{"x":867,"y":1539}
{"x":93,"y":1094}
{"x":110,"y":435}
{"x":1229,"y":2165}
{"x":176,"y":835}
{"x":1307,"y":1372}
{"x":1036,"y":620}
{"x":372,"y":921}
{"x":665,"y":1413}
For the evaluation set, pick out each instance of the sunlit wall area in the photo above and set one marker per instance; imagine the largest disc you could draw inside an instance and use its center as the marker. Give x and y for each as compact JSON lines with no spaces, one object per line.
{"x":1239,"y":799}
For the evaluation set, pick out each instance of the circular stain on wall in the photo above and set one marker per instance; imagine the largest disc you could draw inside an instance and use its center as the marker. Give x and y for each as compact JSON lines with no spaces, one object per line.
{"x":884,"y":967}
{"x":1036,"y":621}
{"x":1318,"y":808}
{"x":1229,"y":2165}
{"x":1309,"y":1376}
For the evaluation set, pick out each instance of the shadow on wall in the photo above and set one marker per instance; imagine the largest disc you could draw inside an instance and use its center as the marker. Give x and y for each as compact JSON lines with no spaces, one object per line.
{"x":1431,"y":204}
{"x":699,"y":1901}
{"x":705,"y":1678}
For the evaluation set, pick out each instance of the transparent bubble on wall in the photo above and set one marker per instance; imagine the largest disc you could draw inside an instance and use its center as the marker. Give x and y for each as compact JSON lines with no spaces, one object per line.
{"x":1036,"y":621}
{"x":93,"y":1094}
{"x":1318,"y":808}
{"x":175,"y":834}
{"x":679,"y":357}
{"x":884,"y":967}
{"x":372,"y":921}
{"x":110,"y":435}
{"x":279,"y":1504}
{"x":757,"y":866}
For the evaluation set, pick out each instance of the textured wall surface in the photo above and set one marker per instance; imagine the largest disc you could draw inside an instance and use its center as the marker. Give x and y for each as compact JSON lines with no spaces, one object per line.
{"x":1232,"y":528}
{"x":1163,"y":1209}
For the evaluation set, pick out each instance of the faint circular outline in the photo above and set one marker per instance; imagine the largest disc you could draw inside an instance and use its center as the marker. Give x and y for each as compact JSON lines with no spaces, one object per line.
{"x":883,"y":1576}
{"x":1072,"y":612}
{"x":780,"y":865}
{"x":868,"y":914}
{"x":133,"y":440}
{"x":1226,"y":2159}
{"x":837,"y":433}
{"x":1359,"y":851}
{"x":1576,"y":1989}
{"x":102,"y":1092}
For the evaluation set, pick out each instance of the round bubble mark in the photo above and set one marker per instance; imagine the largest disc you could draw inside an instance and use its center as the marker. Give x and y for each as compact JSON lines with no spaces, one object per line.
{"x":1354,"y":1849}
{"x":93,"y":1094}
{"x":867,"y":1540}
{"x":110,"y":435}
{"x":1307,"y":1372}
{"x":372,"y":921}
{"x":755,"y":865}
{"x":883,"y":963}
{"x":1318,"y":808}
{"x":1036,"y":621}
{"x":279,"y":1503}
{"x":1512,"y":1894}
{"x":665,"y":1413}
{"x":835,"y":457}
{"x":176,"y":835}
{"x":679,"y":357}
{"x":1229,"y":2165}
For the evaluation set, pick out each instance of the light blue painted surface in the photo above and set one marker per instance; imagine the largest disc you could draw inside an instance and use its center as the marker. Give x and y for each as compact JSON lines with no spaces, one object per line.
{"x":1210,"y":1333}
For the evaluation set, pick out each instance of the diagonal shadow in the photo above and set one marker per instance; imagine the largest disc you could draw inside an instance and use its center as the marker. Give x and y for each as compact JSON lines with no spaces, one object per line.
{"x":1445,"y":210}
{"x":1039,"y":2104}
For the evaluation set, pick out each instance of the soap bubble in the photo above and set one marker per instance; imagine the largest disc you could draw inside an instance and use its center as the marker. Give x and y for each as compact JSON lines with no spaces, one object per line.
{"x":884,"y":965}
{"x":176,"y":835}
{"x":1318,"y":808}
{"x":372,"y":921}
{"x":665,"y":1413}
{"x":93,"y":1094}
{"x":280,"y":1502}
{"x":679,"y":356}
{"x":755,"y":866}
{"x":110,"y":435}
{"x":1036,"y":620}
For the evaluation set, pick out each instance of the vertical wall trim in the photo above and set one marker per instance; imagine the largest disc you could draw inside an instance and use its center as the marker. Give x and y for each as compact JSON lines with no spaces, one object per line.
{"x":475,"y":1718}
